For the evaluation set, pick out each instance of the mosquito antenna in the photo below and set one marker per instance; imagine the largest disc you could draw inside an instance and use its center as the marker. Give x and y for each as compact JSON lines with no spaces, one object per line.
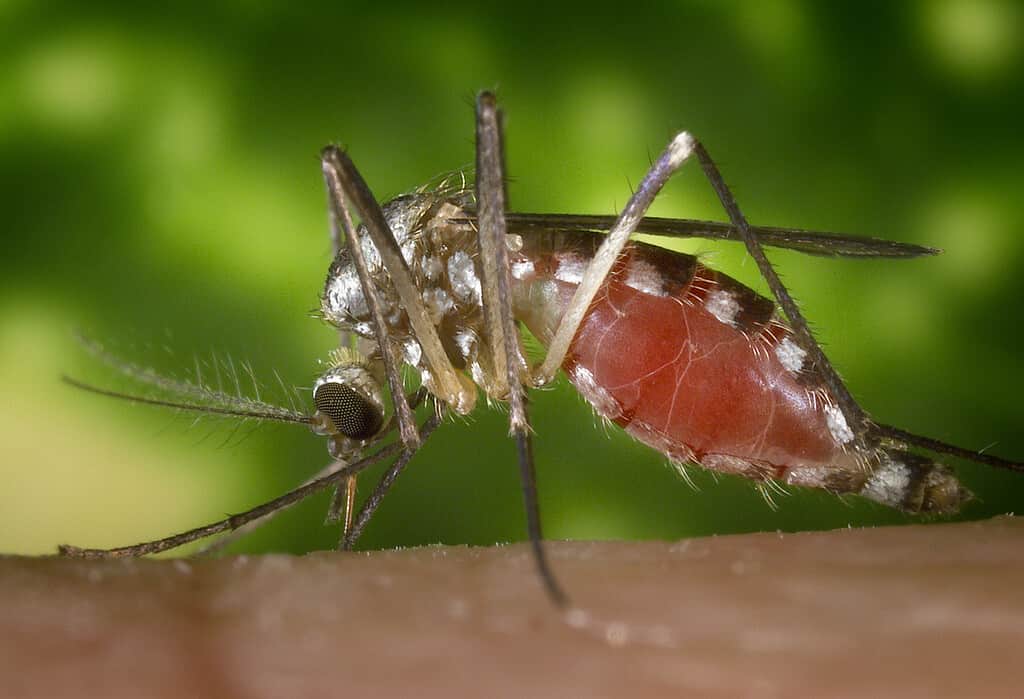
{"x":197,"y":395}
{"x":286,"y":391}
{"x":890,"y":432}
{"x":247,"y":367}
{"x":278,"y":414}
{"x":233,"y":373}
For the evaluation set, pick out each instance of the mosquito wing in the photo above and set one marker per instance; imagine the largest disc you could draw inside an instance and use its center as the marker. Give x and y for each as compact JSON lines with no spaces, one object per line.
{"x":817,"y":243}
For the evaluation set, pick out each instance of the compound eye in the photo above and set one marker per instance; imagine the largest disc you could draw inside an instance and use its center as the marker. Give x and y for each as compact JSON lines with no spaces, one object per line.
{"x":353,"y":415}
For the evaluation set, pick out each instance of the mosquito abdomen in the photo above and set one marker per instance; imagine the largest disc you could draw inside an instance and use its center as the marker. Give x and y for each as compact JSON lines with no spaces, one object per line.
{"x":694,"y":364}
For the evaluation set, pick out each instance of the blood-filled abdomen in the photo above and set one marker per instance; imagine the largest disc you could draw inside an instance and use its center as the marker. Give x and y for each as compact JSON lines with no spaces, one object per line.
{"x":690,"y":362}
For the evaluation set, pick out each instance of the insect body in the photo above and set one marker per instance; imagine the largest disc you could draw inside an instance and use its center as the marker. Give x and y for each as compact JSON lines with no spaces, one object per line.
{"x":685,"y":359}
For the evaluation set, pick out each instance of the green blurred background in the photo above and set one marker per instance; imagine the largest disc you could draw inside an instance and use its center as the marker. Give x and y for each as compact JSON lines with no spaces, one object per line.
{"x":160,"y":189}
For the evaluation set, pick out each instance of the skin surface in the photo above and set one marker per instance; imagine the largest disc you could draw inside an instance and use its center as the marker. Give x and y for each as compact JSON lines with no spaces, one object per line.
{"x":904,"y":611}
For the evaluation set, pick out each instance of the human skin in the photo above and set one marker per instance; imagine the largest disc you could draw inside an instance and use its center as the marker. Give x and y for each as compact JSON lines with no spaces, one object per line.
{"x":925,"y":610}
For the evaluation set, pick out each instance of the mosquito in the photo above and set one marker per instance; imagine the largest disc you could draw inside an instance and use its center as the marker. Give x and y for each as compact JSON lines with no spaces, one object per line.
{"x":685,"y":359}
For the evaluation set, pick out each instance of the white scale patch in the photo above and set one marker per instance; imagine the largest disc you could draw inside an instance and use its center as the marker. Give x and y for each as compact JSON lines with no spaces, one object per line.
{"x":791,"y":355}
{"x":570,"y":269}
{"x":888,"y":484}
{"x":477,"y":373}
{"x":373,"y":261}
{"x":412,"y":352}
{"x":426,"y":378}
{"x":466,"y":341}
{"x":841,"y":432}
{"x":398,"y":228}
{"x":806,"y":476}
{"x":681,"y":148}
{"x":462,"y":276}
{"x":400,"y":220}
{"x":408,"y":249}
{"x":344,"y":297}
{"x":645,"y":278}
{"x":725,"y":463}
{"x":438,"y":302}
{"x":603,"y":403}
{"x":432,"y":268}
{"x":677,"y":452}
{"x":723,"y":306}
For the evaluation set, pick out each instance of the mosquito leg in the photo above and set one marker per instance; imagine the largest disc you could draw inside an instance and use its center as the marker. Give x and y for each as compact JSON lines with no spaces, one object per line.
{"x":341,"y":505}
{"x":231,"y":537}
{"x":528,"y":478}
{"x":490,"y":199}
{"x":351,"y":534}
{"x":344,"y":180}
{"x":667,"y":163}
{"x":852,"y":412}
{"x":500,"y":327}
{"x":235,"y":521}
{"x":339,"y":214}
{"x":344,"y":340}
{"x":333,"y":514}
{"x":496,"y":282}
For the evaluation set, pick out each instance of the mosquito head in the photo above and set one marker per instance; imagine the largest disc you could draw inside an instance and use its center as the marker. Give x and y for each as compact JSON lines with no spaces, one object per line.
{"x":349,"y":403}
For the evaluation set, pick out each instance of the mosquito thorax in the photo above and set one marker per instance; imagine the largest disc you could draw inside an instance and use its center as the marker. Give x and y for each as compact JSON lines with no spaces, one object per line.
{"x":439,"y":246}
{"x":349,"y":402}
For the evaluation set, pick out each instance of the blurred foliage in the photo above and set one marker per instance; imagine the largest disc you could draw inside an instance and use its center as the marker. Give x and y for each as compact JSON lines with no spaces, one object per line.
{"x":160,"y":189}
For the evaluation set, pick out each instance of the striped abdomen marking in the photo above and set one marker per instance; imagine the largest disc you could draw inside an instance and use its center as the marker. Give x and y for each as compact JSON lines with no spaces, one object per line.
{"x":697,"y":366}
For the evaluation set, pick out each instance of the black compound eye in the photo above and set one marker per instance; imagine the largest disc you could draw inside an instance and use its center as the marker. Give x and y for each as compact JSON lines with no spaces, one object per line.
{"x":353,"y":415}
